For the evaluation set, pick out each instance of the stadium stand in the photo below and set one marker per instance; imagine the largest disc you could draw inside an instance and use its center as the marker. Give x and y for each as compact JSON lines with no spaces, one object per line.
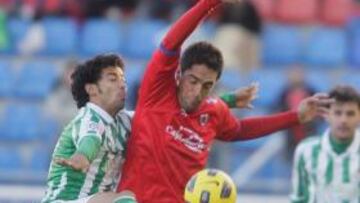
{"x":147,"y":38}
{"x":282,"y":44}
{"x":7,"y":79}
{"x":269,"y":90}
{"x":60,"y":28}
{"x":353,"y":28}
{"x":265,"y":8}
{"x":100,"y":36}
{"x":335,"y":12}
{"x":17,"y":29}
{"x":10,"y":159}
{"x":21,"y":122}
{"x":296,"y":11}
{"x":326,"y":47}
{"x":36,"y":80}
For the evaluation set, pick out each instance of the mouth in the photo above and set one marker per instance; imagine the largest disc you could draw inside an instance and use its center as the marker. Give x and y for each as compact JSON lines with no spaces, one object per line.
{"x":343,"y":129}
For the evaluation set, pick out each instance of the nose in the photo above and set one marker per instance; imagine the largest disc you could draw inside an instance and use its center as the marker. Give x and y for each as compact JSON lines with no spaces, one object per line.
{"x":197,"y":89}
{"x":122,"y":86}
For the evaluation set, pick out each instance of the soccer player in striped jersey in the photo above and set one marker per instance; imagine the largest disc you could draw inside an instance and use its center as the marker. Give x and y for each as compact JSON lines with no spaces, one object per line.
{"x":327,"y":168}
{"x":87,"y":157}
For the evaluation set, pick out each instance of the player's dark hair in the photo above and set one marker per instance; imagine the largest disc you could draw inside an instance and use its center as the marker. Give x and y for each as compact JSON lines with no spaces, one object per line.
{"x":202,"y":53}
{"x":345,"y":93}
{"x":89,"y":72}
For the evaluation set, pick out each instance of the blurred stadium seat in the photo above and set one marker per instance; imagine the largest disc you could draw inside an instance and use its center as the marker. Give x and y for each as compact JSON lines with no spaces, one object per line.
{"x":36,"y":80}
{"x":326,"y":47}
{"x":134,"y":73}
{"x":7,"y":78}
{"x":40,"y":159}
{"x":353,"y":28}
{"x":351,"y":78}
{"x":10,"y":159}
{"x":61,"y":36}
{"x":296,"y":11}
{"x":269,"y":90}
{"x":49,"y":128}
{"x":232,"y":79}
{"x":21,"y":122}
{"x":142,"y":38}
{"x":101,"y":36}
{"x":354,"y":55}
{"x":319,"y":80}
{"x":17,"y":29}
{"x":281,"y":44}
{"x":335,"y":12}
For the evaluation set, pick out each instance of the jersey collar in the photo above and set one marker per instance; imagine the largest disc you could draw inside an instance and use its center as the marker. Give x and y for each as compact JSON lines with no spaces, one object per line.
{"x":352,"y":148}
{"x":105,"y":115}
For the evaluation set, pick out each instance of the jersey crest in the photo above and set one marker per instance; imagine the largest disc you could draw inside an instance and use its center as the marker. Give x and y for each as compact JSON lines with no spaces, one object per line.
{"x":204,"y":119}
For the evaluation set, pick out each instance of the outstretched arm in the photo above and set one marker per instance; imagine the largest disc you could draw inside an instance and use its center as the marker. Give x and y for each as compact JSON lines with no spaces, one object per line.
{"x":251,"y":128}
{"x":159,"y":78}
{"x":84,"y":155}
{"x":187,"y":23}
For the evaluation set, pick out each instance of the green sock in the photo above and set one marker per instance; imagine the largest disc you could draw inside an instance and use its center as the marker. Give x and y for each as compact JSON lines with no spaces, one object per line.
{"x":125,"y":199}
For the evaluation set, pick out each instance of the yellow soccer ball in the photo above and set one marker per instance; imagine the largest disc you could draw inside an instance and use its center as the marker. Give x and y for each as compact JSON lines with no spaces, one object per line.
{"x":210,"y":186}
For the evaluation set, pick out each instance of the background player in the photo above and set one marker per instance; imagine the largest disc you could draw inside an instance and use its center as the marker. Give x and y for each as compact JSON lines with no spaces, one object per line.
{"x":327,"y":168}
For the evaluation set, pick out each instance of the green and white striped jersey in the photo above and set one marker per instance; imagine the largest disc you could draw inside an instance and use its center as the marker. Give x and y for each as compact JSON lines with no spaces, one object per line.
{"x":64,"y":183}
{"x":322,"y":176}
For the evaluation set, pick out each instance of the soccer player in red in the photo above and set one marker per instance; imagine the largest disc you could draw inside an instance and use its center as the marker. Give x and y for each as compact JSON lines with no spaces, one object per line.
{"x":176,"y":120}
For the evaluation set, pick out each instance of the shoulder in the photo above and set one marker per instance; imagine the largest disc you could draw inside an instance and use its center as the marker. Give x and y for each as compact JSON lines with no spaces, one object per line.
{"x":308,"y":144}
{"x":125,"y":117}
{"x":215,"y":102}
{"x":91,"y":122}
{"x":215,"y":105}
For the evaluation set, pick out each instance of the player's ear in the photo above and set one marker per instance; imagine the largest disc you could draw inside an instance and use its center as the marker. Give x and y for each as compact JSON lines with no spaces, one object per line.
{"x":90,"y":89}
{"x":177,"y":76}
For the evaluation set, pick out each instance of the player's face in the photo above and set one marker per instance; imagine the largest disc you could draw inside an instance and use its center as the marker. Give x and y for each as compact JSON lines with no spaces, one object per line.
{"x":344,"y":118}
{"x":195,"y":84}
{"x":111,"y":89}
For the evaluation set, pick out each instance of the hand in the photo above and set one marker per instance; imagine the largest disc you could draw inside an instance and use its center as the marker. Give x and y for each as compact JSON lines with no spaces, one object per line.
{"x":245,"y":95}
{"x":77,"y":161}
{"x":314,"y":106}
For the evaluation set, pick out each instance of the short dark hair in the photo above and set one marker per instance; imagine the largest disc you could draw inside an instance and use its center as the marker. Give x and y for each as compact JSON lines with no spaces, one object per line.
{"x":202,"y":53}
{"x":89,"y":72}
{"x":345,"y":93}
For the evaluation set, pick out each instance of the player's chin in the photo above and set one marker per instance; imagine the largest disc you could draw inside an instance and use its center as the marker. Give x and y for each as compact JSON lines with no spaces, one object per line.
{"x":192,"y":107}
{"x":120,"y":104}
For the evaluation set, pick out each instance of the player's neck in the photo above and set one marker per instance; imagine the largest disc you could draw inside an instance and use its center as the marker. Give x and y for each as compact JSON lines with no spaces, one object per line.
{"x":110,"y":111}
{"x":340,"y":146}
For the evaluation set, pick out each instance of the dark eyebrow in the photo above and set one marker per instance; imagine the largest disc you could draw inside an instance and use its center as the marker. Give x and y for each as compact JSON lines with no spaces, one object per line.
{"x":112,"y":74}
{"x":198,"y":79}
{"x":194,"y":77}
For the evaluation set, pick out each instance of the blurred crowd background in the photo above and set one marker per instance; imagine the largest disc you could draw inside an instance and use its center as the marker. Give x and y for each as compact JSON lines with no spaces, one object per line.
{"x":293,"y":48}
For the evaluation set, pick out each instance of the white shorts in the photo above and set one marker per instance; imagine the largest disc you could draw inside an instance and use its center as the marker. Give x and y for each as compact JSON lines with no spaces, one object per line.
{"x":82,"y":200}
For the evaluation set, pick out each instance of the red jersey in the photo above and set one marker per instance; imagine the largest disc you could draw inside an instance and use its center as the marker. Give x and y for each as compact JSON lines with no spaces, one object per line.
{"x":168,"y":145}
